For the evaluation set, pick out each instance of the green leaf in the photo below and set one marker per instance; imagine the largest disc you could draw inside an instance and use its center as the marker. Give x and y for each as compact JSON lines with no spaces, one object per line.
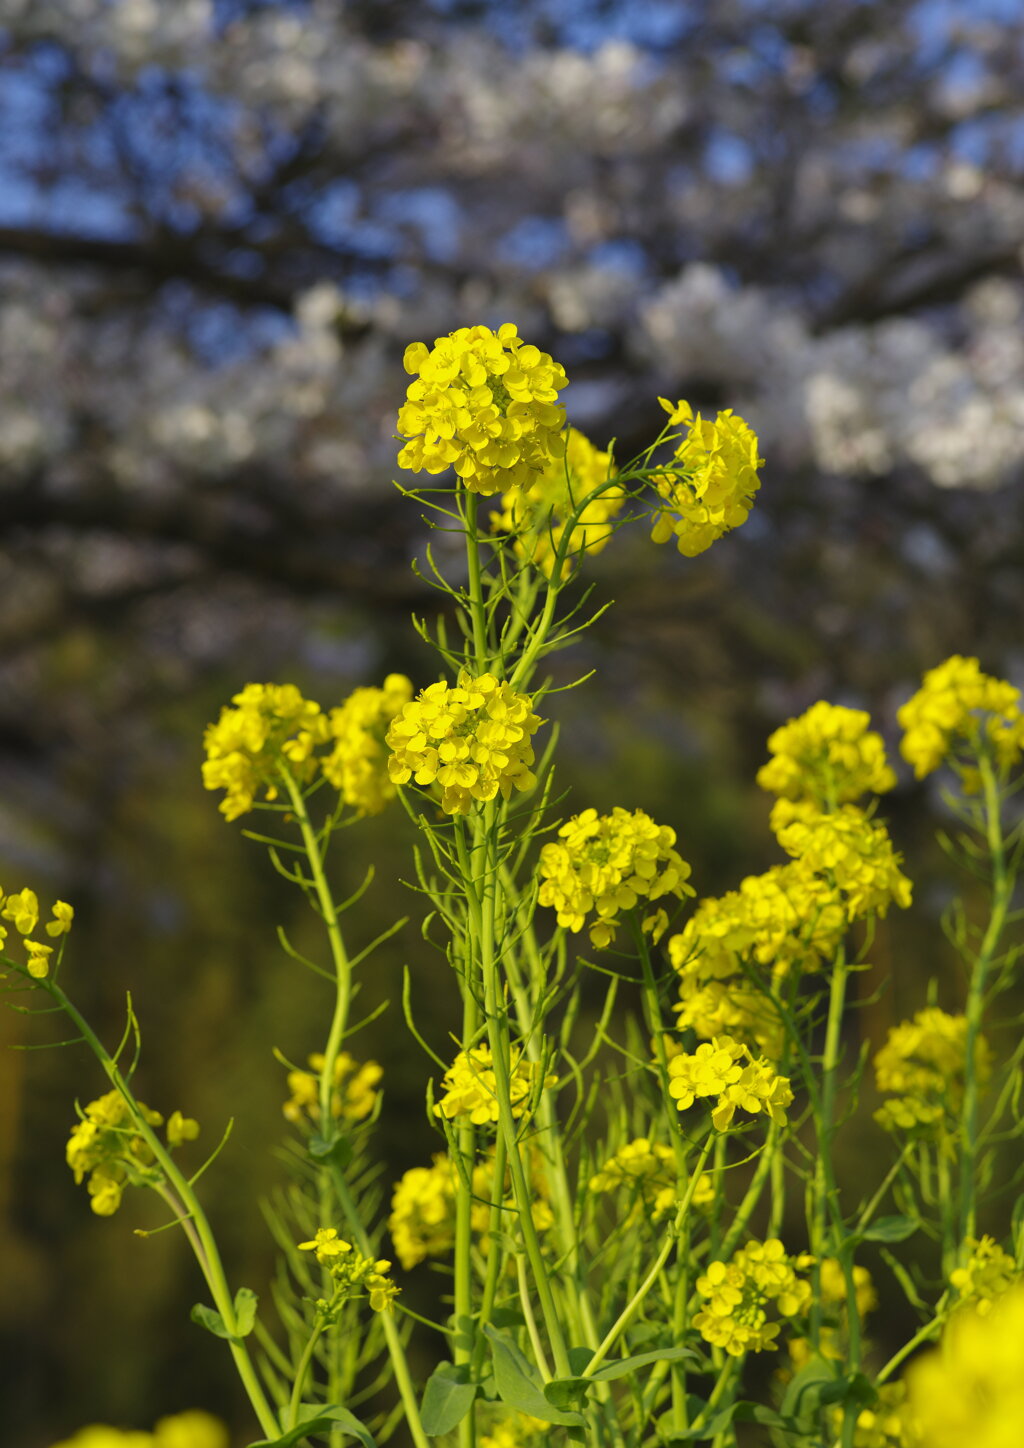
{"x":245,"y":1311}
{"x":804,"y":1394}
{"x":519,"y":1383}
{"x":337,"y":1150}
{"x":740,"y":1412}
{"x":567,"y":1392}
{"x":316,"y":1418}
{"x":889,"y":1229}
{"x":209,"y":1318}
{"x":447,"y":1398}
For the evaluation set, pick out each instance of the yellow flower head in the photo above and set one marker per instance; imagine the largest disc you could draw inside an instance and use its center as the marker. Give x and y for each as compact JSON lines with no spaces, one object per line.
{"x":855,"y":853}
{"x":926,"y":1055}
{"x":474,"y":740}
{"x":484,"y":403}
{"x":956,"y":706}
{"x":539,"y":515}
{"x":726,"y":1069}
{"x":711,"y":485}
{"x":357,"y":765}
{"x":105,"y":1146}
{"x":648,"y":1171}
{"x":828,"y":755}
{"x":970,"y":1389}
{"x":184,"y":1430}
{"x":470,"y":1086}
{"x":422,"y":1221}
{"x":353,"y":1274}
{"x":181,"y":1129}
{"x":22,"y":908}
{"x":785,"y":919}
{"x":603,"y":865}
{"x":740,"y":1293}
{"x":352,"y":1099}
{"x":270,"y":725}
{"x":987,"y":1274}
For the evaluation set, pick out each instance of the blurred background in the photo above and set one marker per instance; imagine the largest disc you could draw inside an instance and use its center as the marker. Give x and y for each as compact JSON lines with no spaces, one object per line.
{"x":221,"y":221}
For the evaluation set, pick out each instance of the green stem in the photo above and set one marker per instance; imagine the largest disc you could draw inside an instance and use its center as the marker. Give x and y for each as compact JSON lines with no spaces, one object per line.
{"x":301,"y":1372}
{"x":1002,"y":890}
{"x":627,"y":1314}
{"x":207,"y":1255}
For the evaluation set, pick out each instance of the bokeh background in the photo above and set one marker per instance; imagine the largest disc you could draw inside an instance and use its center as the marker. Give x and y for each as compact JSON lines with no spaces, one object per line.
{"x":221,"y":221}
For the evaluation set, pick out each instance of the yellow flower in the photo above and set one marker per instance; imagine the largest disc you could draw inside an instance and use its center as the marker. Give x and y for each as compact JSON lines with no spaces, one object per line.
{"x":726,"y":1069}
{"x":38,"y":959}
{"x":740,"y":1293}
{"x":958,"y":705}
{"x":607,"y":864}
{"x":855,"y":853}
{"x":357,"y":765}
{"x":648,"y":1171}
{"x":485,"y":403}
{"x":327,"y":1245}
{"x":538,"y":516}
{"x":471,"y":1088}
{"x":970,"y":1389}
{"x":272,"y":726}
{"x":473,"y":740}
{"x":828,"y":755}
{"x":710,"y":488}
{"x":184,"y":1430}
{"x":63,"y":915}
{"x":23,"y":909}
{"x":181,"y":1129}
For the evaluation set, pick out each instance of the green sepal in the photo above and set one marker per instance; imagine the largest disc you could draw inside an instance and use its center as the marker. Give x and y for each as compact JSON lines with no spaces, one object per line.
{"x":318,"y":1418}
{"x":447,"y":1398}
{"x":519,"y":1383}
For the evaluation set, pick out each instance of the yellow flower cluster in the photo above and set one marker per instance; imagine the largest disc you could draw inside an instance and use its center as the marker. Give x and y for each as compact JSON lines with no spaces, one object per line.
{"x":106,"y":1146}
{"x":832,"y":1289}
{"x":357,"y":765}
{"x":603,"y":865}
{"x":648,"y":1171}
{"x":473,"y":740}
{"x":853,"y":851}
{"x":352,"y":1273}
{"x":726,"y":1069}
{"x":740,"y":1293}
{"x":422,"y":1220}
{"x":959,"y":705}
{"x":785,"y":919}
{"x":484,"y":403}
{"x":21,"y":907}
{"x":987,"y":1274}
{"x":828,"y":756}
{"x":519,"y":1431}
{"x":970,"y":1389}
{"x":471,"y":1089}
{"x":710,"y":488}
{"x":270,"y":723}
{"x":353,"y":1096}
{"x":538,"y":516}
{"x":922,"y":1064}
{"x":183,"y":1430}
